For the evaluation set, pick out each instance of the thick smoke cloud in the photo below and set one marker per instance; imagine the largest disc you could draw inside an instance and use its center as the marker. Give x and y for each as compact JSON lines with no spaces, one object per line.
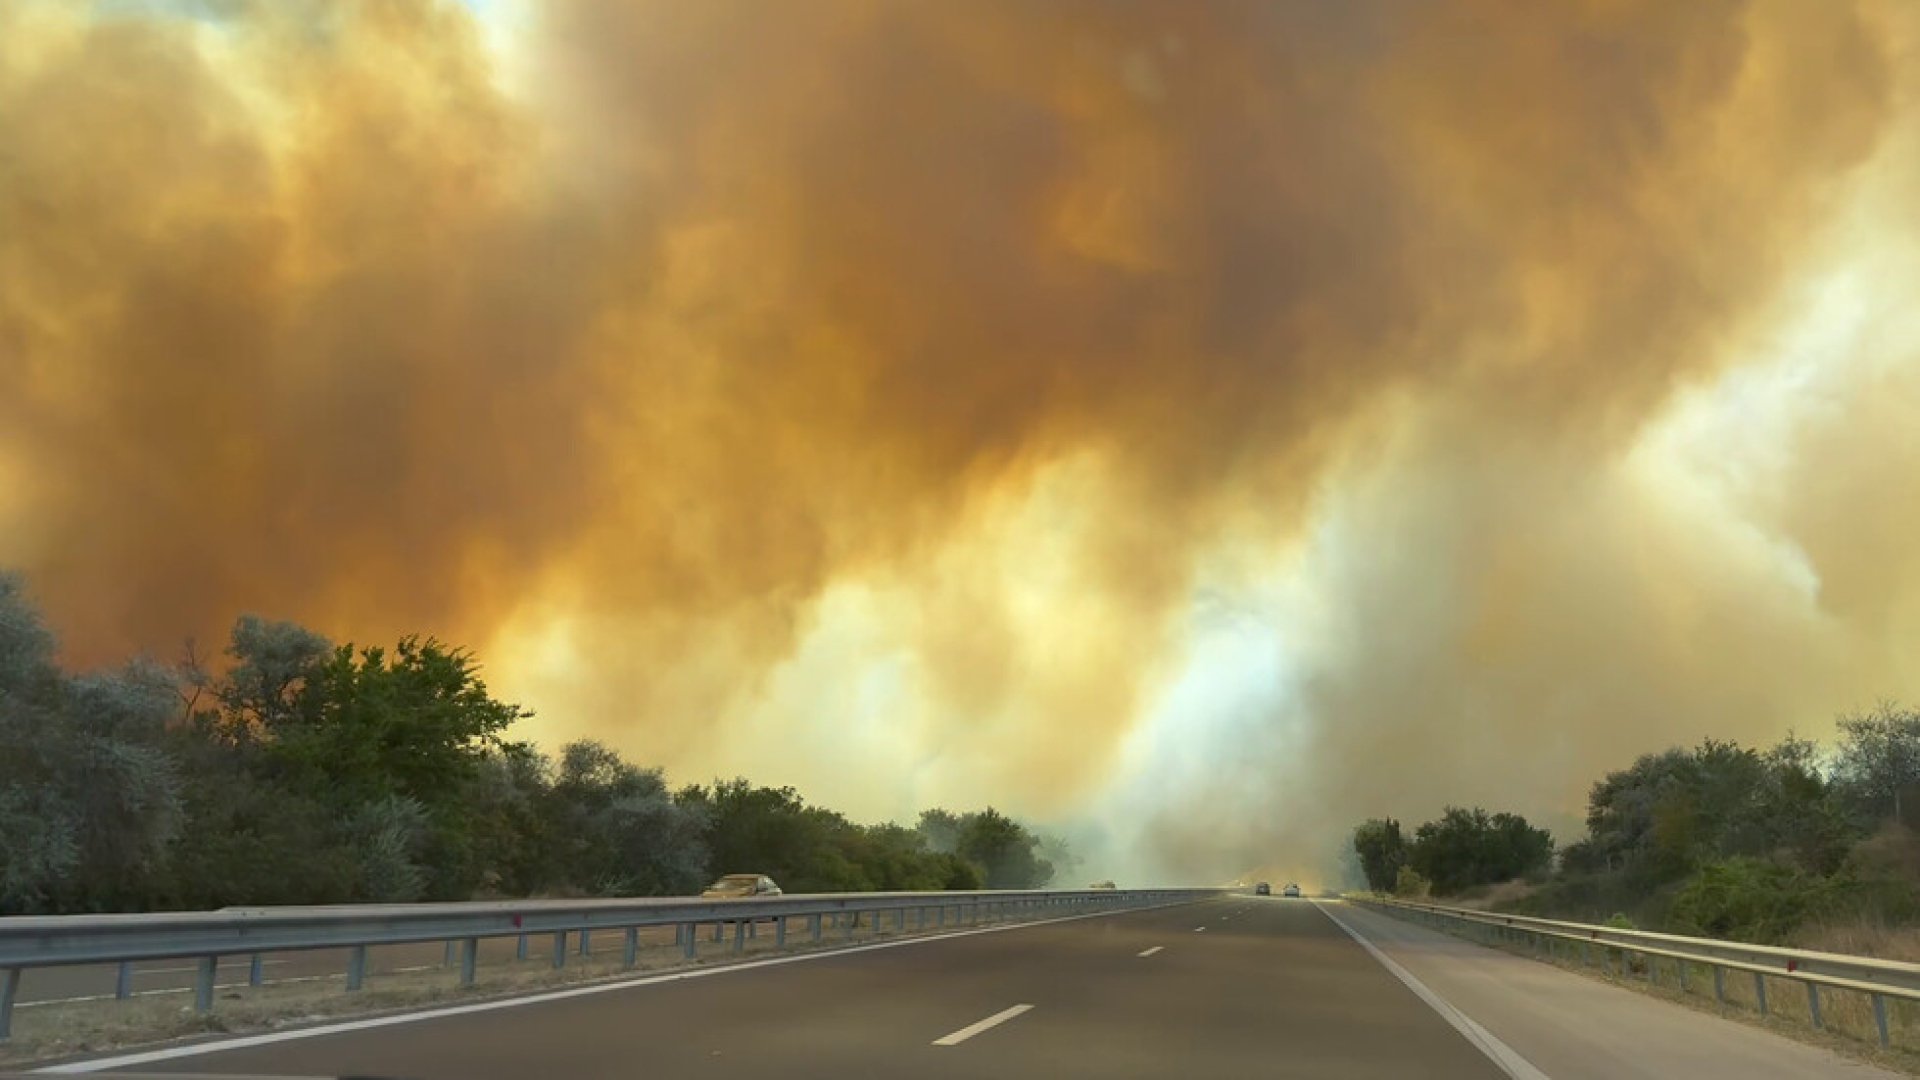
{"x":773,"y":387}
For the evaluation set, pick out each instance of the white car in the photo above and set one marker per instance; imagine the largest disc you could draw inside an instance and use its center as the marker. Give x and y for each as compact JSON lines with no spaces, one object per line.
{"x":741,"y":887}
{"x":1291,"y":890}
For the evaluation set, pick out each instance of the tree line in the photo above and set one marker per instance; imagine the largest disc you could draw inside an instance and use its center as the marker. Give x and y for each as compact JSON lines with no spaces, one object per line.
{"x":1719,"y":839}
{"x":1460,"y":849}
{"x":304,"y":771}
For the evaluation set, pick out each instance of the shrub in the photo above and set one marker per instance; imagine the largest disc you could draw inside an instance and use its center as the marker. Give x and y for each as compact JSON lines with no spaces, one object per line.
{"x":1411,"y":885}
{"x":1620,"y":920}
{"x":1747,"y":899}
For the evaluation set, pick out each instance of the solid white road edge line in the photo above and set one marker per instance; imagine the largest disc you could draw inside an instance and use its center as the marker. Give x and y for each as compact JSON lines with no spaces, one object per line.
{"x":1150,"y":952}
{"x":971,"y":1030}
{"x":169,"y":1053}
{"x":1505,"y":1056}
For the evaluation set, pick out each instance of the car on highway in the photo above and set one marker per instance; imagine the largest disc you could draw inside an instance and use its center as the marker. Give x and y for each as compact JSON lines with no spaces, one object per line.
{"x":1263,"y":889}
{"x":740,"y":887}
{"x":1103,"y":885}
{"x":1290,"y":890}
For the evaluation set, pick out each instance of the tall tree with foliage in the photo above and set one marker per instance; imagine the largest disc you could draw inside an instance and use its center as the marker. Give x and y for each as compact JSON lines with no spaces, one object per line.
{"x":622,"y":833}
{"x":1464,"y":848}
{"x":1382,"y":851}
{"x":1004,"y":849}
{"x":89,"y":796}
{"x":940,"y":829}
{"x":1876,"y":766}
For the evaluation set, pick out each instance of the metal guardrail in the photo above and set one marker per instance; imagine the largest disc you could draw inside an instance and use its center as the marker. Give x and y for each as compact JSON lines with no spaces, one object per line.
{"x":28,"y":942}
{"x":1880,"y":980}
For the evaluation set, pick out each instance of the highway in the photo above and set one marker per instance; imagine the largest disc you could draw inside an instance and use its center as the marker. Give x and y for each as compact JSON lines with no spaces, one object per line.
{"x":1231,"y":987}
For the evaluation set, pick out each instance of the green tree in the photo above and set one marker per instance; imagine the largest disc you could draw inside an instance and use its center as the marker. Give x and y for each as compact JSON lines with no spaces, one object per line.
{"x":271,"y":663}
{"x":621,"y":832}
{"x":1463,"y":848}
{"x":249,"y":837}
{"x":1005,"y":851}
{"x":417,"y":723}
{"x":1382,"y":851}
{"x":1876,"y":766}
{"x":772,"y":831}
{"x":518,"y":844}
{"x":377,"y":768}
{"x":940,"y":829}
{"x":89,"y":795}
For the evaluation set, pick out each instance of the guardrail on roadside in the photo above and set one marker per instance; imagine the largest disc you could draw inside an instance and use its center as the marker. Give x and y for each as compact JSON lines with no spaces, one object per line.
{"x":1879,"y":980}
{"x":28,"y":942}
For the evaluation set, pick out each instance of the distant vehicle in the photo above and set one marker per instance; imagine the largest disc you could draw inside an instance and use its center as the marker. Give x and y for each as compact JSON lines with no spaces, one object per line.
{"x":741,"y":886}
{"x":1263,"y":889}
{"x":1103,"y":885}
{"x":1291,"y":890}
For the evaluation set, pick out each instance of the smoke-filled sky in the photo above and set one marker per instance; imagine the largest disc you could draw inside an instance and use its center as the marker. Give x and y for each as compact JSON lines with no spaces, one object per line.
{"x":1192,"y":426}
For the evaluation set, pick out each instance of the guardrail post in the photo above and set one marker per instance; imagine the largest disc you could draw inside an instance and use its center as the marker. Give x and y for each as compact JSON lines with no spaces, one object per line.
{"x":356,"y":968}
{"x":469,"y":960}
{"x":450,"y":955}
{"x":943,"y":917}
{"x":899,"y":920}
{"x":1813,"y":1005}
{"x":1760,"y":991}
{"x":586,"y":936}
{"x":780,"y":932}
{"x":739,"y":935}
{"x":256,"y":971}
{"x":1586,"y":954}
{"x":630,"y":955}
{"x":1880,"y":1017}
{"x":520,"y":948}
{"x":1720,"y":985}
{"x":10,"y":989}
{"x":123,"y":981}
{"x":813,"y":926}
{"x":689,"y":935}
{"x":559,"y":948}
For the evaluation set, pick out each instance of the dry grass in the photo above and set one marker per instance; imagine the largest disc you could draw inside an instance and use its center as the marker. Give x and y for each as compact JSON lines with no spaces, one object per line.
{"x":1864,"y":937}
{"x":63,"y":1030}
{"x":1490,"y":897}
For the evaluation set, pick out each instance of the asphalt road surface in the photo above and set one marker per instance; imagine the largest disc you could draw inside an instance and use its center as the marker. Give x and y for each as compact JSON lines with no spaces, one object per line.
{"x":1235,"y":987}
{"x":1239,"y":987}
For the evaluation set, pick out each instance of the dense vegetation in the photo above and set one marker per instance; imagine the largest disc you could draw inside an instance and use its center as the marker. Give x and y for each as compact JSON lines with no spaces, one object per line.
{"x":1459,"y":850}
{"x":1720,"y":839}
{"x":308,"y":772}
